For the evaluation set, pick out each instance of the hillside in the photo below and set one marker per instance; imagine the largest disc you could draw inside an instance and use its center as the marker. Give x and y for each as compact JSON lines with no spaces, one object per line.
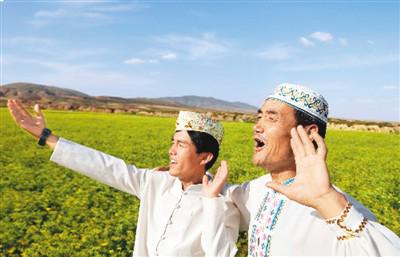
{"x":62,"y":98}
{"x":212,"y":103}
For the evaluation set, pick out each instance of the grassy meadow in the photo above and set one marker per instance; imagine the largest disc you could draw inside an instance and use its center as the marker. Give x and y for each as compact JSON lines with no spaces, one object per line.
{"x":47,"y":210}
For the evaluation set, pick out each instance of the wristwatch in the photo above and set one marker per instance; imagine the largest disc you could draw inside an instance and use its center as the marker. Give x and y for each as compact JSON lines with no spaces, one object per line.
{"x":43,"y":136}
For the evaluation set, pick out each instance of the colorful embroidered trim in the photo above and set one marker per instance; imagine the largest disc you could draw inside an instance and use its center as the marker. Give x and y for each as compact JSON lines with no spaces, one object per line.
{"x":264,"y":222}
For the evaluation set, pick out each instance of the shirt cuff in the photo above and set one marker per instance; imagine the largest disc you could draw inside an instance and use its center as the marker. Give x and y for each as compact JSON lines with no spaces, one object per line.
{"x":349,"y":224}
{"x":58,"y":151}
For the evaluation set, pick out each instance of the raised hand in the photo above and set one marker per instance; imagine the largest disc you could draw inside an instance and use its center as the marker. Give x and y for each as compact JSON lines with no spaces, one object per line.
{"x":32,"y":124}
{"x":212,"y":189}
{"x":311,"y":185}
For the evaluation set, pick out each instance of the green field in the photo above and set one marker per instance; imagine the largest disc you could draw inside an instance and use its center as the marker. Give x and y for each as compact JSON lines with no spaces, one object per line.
{"x":47,"y":210}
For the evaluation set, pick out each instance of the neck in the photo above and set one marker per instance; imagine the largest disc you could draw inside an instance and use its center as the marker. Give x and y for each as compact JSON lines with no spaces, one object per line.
{"x":281,"y":176}
{"x":193,"y":181}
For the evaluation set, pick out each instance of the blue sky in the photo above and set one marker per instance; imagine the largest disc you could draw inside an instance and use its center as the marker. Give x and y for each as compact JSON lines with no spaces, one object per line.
{"x":231,"y":50}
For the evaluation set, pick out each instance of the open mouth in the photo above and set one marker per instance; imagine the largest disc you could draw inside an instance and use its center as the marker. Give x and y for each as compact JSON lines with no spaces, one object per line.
{"x":172,"y":162}
{"x":260,"y":143}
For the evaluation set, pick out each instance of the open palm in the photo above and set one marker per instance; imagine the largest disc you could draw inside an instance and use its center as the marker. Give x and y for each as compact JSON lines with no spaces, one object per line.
{"x":312,"y":181}
{"x":213,"y":188}
{"x":32,"y":124}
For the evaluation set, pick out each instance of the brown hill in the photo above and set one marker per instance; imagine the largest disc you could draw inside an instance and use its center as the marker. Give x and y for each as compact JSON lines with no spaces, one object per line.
{"x":67,"y":99}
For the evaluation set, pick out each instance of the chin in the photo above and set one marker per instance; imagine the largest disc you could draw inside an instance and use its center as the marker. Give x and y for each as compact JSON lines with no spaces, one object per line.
{"x":173,"y":172}
{"x":259,"y":159}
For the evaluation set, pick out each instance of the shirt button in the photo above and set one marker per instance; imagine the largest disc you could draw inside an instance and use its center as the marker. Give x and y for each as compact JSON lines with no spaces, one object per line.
{"x":170,"y":222}
{"x":178,"y":206}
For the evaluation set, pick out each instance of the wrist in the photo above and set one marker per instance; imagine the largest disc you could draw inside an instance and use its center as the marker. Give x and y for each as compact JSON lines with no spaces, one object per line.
{"x":46,"y":137}
{"x":52,"y":141}
{"x":330,"y":204}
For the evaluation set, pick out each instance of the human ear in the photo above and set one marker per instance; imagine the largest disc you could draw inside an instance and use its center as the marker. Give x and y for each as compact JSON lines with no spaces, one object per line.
{"x":311,"y":129}
{"x":206,"y":158}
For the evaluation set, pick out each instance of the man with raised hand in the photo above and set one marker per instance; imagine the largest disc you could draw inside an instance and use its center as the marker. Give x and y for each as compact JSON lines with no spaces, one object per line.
{"x":178,"y":216}
{"x":294,"y":210}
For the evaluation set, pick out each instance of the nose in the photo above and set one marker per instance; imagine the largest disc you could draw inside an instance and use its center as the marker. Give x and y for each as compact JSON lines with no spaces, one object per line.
{"x":257,"y":128}
{"x":172,"y":149}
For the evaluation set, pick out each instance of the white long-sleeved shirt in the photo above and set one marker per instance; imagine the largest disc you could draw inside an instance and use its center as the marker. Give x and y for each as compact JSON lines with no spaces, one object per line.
{"x":278,"y":226}
{"x":171,"y":222}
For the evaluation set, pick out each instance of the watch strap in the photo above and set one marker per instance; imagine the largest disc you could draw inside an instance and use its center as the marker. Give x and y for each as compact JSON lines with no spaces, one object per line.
{"x":43,"y":136}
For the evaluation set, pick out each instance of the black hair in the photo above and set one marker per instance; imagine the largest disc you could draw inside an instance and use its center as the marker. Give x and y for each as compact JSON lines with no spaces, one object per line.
{"x":304,"y":119}
{"x":204,"y":142}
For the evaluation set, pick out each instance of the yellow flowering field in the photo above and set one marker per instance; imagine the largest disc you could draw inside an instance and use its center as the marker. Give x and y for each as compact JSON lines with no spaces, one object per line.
{"x":47,"y":210}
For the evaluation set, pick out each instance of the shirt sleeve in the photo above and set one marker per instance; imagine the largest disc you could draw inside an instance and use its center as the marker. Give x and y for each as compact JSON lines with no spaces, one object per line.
{"x":239,"y":195}
{"x":221,"y":227}
{"x":358,"y":235}
{"x":99,"y":166}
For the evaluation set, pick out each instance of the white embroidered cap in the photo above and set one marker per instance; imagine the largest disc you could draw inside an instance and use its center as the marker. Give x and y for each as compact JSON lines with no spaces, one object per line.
{"x":302,"y":98}
{"x":194,"y":121}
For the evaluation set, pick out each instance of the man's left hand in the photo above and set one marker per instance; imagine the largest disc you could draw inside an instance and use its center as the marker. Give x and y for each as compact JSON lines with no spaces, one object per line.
{"x":213,"y":188}
{"x":311,"y":186}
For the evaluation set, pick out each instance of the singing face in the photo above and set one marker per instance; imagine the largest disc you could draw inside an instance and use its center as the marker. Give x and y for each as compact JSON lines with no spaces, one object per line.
{"x":185,"y":162}
{"x":272,"y":136}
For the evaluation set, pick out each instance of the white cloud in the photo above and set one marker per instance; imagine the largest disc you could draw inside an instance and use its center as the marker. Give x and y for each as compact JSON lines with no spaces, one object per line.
{"x":168,"y":56}
{"x":306,"y":42}
{"x":390,"y":87}
{"x":80,"y":12}
{"x":140,"y":61}
{"x":365,"y":101}
{"x":53,"y":49}
{"x":370,"y":42}
{"x":59,"y":13}
{"x":38,"y":23}
{"x":321,"y":36}
{"x":154,"y":73}
{"x":343,"y":42}
{"x":135,"y":61}
{"x":277,"y":52}
{"x":111,"y":7}
{"x":35,"y":41}
{"x":345,"y":63}
{"x":205,"y":46}
{"x":80,"y":75}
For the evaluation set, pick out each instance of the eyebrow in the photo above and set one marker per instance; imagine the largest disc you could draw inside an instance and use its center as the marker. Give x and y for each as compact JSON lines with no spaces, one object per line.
{"x":259,"y":111}
{"x":271,"y":112}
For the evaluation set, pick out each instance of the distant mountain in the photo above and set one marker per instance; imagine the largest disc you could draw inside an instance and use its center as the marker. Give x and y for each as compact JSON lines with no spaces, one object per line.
{"x":211,"y":103}
{"x":34,"y":91}
{"x":56,"y":97}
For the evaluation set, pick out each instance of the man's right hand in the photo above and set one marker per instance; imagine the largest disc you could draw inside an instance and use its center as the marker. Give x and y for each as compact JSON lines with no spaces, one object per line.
{"x":32,"y":124}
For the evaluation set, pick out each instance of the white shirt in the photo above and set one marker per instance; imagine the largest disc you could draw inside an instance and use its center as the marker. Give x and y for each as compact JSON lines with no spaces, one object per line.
{"x":171,"y":222}
{"x":298,"y":230}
